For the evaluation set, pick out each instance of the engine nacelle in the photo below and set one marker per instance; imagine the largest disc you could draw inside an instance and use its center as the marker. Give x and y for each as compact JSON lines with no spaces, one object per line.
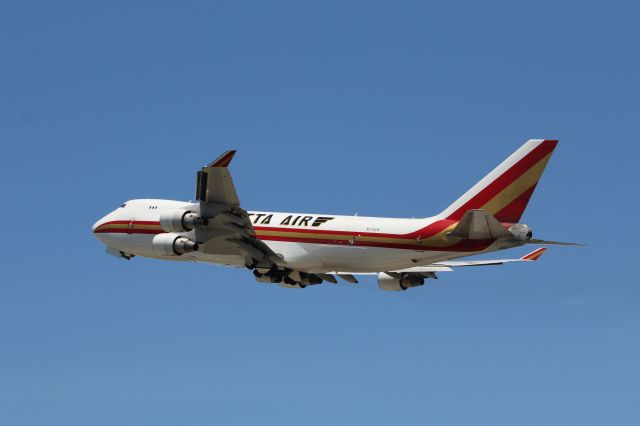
{"x":521,"y":232}
{"x":387,"y":282}
{"x":171,"y":244}
{"x":180,"y":220}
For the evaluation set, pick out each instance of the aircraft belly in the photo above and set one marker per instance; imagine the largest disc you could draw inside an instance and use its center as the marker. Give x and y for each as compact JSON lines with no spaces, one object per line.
{"x":323,"y":257}
{"x":220,"y":259}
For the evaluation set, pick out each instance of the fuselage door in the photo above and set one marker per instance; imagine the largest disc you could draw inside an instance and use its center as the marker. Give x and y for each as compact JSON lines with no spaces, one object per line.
{"x":130,"y":226}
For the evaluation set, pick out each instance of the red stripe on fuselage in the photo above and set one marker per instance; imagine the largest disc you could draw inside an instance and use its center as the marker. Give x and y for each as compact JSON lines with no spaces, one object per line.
{"x":430,"y":230}
{"x":129,"y":231}
{"x":134,"y":222}
{"x":425,"y":232}
{"x":126,"y":227}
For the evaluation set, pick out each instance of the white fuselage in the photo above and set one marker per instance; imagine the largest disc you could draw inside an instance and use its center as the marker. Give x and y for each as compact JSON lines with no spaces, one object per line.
{"x":308,"y":242}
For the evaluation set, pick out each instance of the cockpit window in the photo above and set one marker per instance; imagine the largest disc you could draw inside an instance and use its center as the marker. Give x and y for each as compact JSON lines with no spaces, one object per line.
{"x":123,"y":205}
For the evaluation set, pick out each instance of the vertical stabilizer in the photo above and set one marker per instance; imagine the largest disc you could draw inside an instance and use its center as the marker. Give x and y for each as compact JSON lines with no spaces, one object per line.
{"x":505,"y":192}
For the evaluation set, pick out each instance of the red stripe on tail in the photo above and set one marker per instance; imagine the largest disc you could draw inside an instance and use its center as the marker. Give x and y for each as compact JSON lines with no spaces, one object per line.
{"x":514,"y":210}
{"x":223,"y":160}
{"x":504,"y":180}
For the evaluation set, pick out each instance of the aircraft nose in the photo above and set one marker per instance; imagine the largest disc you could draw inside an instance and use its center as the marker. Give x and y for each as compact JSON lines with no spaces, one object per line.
{"x":98,"y":228}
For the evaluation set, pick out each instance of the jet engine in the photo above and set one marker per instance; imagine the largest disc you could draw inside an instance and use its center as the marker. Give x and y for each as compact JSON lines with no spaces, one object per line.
{"x":521,"y":232}
{"x":171,"y":244}
{"x":180,"y":220}
{"x":403,"y":282}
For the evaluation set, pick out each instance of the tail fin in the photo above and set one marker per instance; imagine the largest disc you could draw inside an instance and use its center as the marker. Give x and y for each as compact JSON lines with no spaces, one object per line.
{"x":505,"y":192}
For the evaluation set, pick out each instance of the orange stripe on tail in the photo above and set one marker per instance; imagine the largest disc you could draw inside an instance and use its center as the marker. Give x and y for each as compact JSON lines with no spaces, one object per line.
{"x":506,"y":190}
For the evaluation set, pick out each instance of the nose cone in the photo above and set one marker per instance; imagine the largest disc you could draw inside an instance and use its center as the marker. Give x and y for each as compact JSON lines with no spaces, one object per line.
{"x":100,"y":229}
{"x":96,"y":229}
{"x":98,"y":232}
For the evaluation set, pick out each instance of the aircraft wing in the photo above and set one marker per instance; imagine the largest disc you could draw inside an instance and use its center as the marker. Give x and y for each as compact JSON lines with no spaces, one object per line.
{"x":214,"y":184}
{"x":229,"y":230}
{"x":534,"y":255}
{"x":429,"y":271}
{"x":448,"y":265}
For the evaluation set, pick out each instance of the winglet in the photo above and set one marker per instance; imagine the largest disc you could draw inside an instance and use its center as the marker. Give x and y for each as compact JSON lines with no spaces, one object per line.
{"x":223,"y":160}
{"x":534,"y":255}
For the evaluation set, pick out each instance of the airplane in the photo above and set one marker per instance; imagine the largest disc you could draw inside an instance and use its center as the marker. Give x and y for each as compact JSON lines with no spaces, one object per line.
{"x":296,"y":250}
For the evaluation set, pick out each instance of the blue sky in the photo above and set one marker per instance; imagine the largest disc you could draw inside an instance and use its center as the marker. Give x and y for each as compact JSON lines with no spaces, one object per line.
{"x":379,"y":108}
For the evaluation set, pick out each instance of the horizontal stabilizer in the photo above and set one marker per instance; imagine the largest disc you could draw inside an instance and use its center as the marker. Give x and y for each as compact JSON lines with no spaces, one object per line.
{"x":554,"y":243}
{"x":479,"y":225}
